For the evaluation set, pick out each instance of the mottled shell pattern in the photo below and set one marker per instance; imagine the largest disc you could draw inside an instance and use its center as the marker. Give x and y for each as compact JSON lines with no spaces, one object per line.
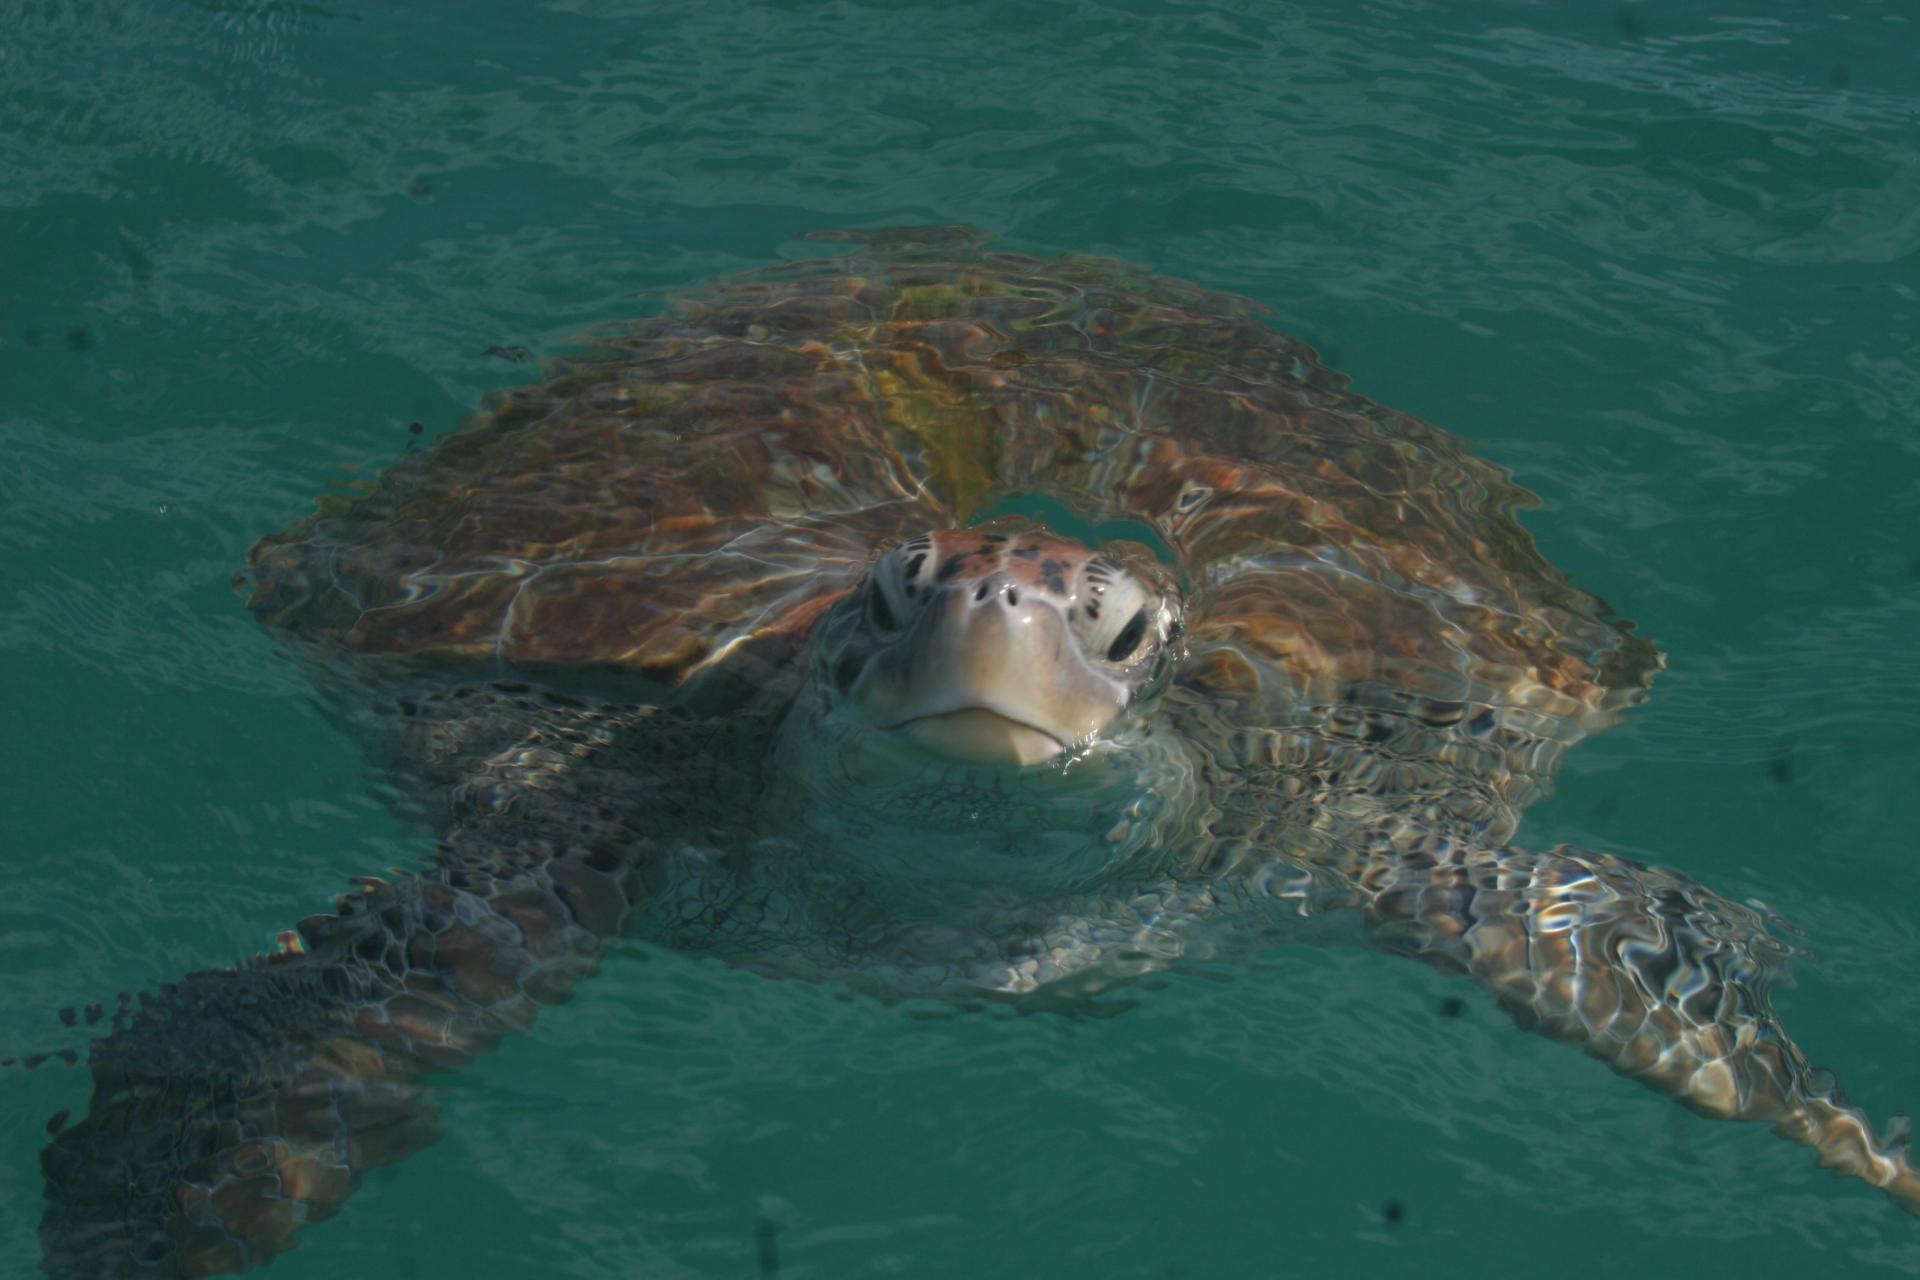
{"x":697,"y":488}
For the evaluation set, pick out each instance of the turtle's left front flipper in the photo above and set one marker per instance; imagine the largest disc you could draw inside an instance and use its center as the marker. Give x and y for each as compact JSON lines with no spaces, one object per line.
{"x":1660,"y":978}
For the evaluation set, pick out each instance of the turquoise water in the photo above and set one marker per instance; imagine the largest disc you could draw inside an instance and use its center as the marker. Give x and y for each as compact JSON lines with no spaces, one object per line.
{"x":1660,"y":261}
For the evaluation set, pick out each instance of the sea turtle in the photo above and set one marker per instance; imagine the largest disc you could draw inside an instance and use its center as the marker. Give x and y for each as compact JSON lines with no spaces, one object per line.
{"x":771,"y":626}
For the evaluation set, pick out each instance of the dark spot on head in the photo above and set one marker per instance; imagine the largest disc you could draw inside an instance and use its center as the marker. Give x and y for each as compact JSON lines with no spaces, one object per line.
{"x":78,"y":339}
{"x":995,"y":537}
{"x":1452,"y":1007}
{"x":1780,"y":765}
{"x":415,"y":427}
{"x":913,"y":565}
{"x":1393,"y":1213}
{"x":984,"y":550}
{"x":1027,"y":553}
{"x":950,"y":566}
{"x":1839,"y":75}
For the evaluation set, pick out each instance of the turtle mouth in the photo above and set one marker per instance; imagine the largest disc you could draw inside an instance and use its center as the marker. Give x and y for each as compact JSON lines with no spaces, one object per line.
{"x":979,"y":735}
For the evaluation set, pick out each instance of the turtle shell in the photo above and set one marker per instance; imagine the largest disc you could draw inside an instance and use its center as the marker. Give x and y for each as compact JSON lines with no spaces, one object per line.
{"x":704,"y":483}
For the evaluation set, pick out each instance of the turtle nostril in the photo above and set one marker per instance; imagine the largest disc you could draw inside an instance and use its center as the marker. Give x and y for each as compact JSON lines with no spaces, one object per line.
{"x":1013,"y":596}
{"x":980,"y":592}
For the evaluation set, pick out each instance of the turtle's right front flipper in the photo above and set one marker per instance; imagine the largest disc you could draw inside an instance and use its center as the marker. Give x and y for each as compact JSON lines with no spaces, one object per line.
{"x":1660,"y":978}
{"x":235,"y":1106}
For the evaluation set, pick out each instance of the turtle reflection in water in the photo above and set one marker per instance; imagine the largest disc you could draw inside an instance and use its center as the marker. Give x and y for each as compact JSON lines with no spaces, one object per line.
{"x":723,"y":637}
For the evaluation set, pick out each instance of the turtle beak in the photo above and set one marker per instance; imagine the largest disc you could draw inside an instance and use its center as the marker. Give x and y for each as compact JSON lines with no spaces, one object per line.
{"x":986,"y":676}
{"x":979,"y":736}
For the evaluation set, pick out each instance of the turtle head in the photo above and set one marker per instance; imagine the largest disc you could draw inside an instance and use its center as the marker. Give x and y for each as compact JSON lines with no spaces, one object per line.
{"x":998,"y":647}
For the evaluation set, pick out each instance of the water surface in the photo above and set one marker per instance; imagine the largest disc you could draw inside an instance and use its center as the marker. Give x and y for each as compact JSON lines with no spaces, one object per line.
{"x":1660,"y":261}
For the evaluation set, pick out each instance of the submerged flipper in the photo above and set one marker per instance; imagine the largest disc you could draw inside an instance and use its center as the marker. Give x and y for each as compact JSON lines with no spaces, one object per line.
{"x":235,"y":1106}
{"x":1660,"y":978}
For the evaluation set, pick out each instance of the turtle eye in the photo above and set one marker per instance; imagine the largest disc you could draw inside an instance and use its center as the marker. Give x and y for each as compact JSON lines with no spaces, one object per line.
{"x":1129,"y":638}
{"x":879,"y":613}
